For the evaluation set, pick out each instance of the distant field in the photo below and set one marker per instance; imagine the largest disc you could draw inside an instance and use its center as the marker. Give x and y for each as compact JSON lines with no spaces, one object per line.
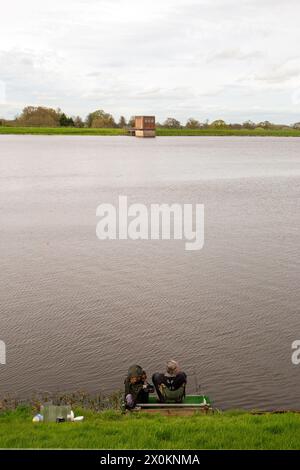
{"x":159,"y":131}
{"x":60,"y":131}
{"x":112,"y":430}
{"x":229,"y":132}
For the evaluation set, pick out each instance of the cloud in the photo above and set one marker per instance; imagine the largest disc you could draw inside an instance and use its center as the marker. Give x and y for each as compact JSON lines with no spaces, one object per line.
{"x":279,"y":74}
{"x":235,"y":54}
{"x":185,"y":57}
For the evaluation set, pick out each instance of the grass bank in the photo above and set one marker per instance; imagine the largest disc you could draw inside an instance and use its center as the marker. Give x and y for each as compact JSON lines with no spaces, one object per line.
{"x":59,"y":131}
{"x":229,"y":132}
{"x":112,"y":430}
{"x":159,"y":131}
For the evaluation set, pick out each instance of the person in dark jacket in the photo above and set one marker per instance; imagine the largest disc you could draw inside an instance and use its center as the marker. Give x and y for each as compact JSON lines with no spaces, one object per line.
{"x":137,"y":388}
{"x":170,"y":386}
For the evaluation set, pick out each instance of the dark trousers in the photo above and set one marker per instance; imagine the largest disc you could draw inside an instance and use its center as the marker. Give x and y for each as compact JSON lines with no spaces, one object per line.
{"x":159,"y":379}
{"x":131,"y":400}
{"x":143,"y":396}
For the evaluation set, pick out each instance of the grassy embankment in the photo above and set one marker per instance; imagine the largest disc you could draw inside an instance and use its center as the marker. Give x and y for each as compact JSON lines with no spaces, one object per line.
{"x":112,"y":430}
{"x":159,"y":131}
{"x":60,"y":131}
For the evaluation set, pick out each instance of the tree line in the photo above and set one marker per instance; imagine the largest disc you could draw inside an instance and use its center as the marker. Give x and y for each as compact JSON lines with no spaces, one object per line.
{"x":41,"y":116}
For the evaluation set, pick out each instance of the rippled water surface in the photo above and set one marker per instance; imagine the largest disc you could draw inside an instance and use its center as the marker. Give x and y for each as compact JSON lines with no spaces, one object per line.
{"x":76,"y":311}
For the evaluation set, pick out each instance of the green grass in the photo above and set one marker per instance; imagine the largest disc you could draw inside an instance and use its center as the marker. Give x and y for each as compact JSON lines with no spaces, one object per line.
{"x":159,"y":131}
{"x":112,"y":430}
{"x":229,"y":132}
{"x":59,"y":131}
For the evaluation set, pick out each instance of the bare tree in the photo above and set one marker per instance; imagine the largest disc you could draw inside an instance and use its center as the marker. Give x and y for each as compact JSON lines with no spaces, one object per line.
{"x":78,"y":122}
{"x":249,"y":124}
{"x":265,"y":125}
{"x":172,"y":123}
{"x":131,"y":122}
{"x":122,"y":122}
{"x":193,"y":124}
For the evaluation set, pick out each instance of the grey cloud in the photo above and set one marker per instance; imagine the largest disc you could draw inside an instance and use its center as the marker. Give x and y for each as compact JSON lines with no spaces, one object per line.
{"x":174,"y":56}
{"x":235,"y":54}
{"x":279,"y":75}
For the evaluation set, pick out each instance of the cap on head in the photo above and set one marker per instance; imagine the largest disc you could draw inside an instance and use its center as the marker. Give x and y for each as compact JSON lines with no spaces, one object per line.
{"x":172,"y":367}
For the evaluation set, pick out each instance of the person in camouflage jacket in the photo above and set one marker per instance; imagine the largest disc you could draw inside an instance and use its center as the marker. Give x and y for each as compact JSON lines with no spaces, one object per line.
{"x":136,"y":387}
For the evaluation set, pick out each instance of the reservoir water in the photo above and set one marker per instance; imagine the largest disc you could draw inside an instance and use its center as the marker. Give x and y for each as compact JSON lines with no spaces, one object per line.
{"x":75,"y":311}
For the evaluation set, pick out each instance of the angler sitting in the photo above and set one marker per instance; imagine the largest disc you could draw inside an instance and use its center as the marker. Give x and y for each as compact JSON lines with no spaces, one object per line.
{"x":170,"y":386}
{"x":137,"y":388}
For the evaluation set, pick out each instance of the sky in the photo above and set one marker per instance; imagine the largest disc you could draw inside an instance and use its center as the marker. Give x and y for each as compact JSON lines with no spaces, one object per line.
{"x":207,"y":59}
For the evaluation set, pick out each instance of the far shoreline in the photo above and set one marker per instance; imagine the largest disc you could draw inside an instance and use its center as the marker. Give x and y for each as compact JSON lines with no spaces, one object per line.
{"x":160,"y":132}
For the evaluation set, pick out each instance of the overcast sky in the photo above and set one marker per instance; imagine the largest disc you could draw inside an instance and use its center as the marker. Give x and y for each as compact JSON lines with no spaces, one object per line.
{"x":202,"y":58}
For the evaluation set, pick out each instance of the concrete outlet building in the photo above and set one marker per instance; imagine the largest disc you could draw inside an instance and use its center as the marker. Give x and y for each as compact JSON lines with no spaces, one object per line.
{"x":145,"y":126}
